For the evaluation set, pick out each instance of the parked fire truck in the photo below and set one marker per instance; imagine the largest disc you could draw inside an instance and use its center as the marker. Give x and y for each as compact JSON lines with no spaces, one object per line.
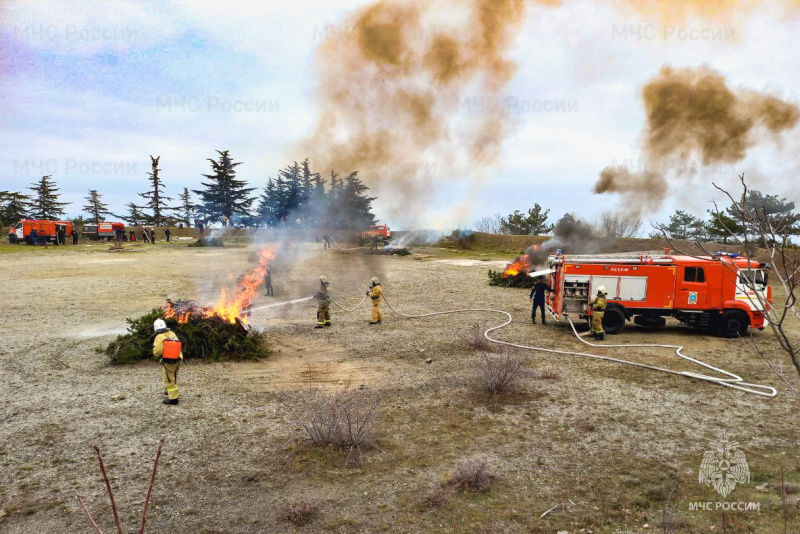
{"x":45,"y":230}
{"x":104,"y":230}
{"x":381,"y":231}
{"x":726,"y":293}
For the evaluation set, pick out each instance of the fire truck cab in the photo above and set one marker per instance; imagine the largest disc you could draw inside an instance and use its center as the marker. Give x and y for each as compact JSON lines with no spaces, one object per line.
{"x":725,"y":293}
{"x":381,"y":231}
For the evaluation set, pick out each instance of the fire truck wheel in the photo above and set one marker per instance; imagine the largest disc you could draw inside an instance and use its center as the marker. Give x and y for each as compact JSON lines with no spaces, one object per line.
{"x":613,"y":320}
{"x":733,"y":323}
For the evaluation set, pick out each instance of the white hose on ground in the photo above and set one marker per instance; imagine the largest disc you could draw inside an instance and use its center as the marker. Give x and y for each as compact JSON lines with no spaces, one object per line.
{"x":733,"y":381}
{"x":340,"y":248}
{"x":351,"y":310}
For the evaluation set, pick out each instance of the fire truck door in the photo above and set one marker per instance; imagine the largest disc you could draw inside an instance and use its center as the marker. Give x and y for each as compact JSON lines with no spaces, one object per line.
{"x":693,"y":292}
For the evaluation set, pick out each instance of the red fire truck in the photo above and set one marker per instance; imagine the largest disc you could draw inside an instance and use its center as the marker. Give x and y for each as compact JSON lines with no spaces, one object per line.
{"x":381,"y":231}
{"x":705,"y":292}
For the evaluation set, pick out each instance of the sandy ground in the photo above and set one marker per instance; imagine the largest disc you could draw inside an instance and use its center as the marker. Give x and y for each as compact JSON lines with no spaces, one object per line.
{"x":600,"y":440}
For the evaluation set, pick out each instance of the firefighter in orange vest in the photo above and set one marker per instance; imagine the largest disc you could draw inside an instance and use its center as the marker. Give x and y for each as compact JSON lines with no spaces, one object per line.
{"x":598,"y":304}
{"x":167,"y":347}
{"x":375,"y":294}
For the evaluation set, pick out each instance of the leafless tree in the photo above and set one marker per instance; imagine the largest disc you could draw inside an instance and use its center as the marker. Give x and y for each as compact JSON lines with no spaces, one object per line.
{"x":489,"y":224}
{"x":618,"y":224}
{"x":785,"y":273}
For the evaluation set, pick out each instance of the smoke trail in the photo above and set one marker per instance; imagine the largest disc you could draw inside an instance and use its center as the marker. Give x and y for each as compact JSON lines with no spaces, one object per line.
{"x":393,"y":87}
{"x":693,"y":114}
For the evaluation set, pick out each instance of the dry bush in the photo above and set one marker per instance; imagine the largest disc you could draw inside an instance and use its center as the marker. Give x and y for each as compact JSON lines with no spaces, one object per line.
{"x":300,"y":512}
{"x":436,"y":498}
{"x":500,"y":374}
{"x":546,"y":374}
{"x":344,"y":420}
{"x":473,"y":474}
{"x":475,"y":338}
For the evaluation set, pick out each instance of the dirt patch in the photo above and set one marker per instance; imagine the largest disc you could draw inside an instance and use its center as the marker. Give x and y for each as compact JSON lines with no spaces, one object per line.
{"x":308,"y":364}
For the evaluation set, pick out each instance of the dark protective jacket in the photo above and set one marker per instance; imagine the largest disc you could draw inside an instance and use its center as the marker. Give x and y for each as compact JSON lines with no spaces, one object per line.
{"x":538,"y":290}
{"x":324,"y":293}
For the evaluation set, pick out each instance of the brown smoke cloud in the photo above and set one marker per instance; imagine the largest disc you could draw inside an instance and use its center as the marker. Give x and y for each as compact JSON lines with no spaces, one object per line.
{"x":692,"y":113}
{"x":396,"y":88}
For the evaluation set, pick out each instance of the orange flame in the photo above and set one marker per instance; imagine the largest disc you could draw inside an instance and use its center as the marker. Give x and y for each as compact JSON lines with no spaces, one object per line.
{"x":231,"y":307}
{"x":521,"y":264}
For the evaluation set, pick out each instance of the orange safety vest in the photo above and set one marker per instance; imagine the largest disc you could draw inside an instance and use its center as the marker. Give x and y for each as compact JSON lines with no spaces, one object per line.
{"x":172,"y":350}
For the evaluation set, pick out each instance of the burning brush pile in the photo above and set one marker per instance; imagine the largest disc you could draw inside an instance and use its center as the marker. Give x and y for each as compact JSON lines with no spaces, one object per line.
{"x":215,"y":332}
{"x":516,"y":273}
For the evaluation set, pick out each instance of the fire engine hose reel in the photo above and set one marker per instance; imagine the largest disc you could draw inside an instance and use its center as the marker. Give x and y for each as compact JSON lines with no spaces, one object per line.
{"x":732,"y":380}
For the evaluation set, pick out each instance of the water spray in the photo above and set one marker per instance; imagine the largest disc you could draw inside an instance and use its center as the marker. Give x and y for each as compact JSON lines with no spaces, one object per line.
{"x":295,"y":301}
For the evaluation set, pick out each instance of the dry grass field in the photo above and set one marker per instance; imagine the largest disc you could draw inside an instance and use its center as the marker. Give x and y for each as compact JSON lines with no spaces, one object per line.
{"x":598,"y":445}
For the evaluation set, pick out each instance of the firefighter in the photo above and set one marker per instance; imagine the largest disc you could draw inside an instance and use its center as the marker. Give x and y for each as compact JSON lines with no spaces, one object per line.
{"x":167,"y":234}
{"x":268,"y":281}
{"x":167,"y":347}
{"x":326,"y":241}
{"x":324,"y":298}
{"x":74,"y":236}
{"x":598,"y":304}
{"x":374,"y":293}
{"x":152,"y":236}
{"x":537,"y":297}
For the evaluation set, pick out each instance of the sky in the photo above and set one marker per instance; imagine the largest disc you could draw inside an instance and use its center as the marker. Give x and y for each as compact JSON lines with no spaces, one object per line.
{"x":89,"y":90}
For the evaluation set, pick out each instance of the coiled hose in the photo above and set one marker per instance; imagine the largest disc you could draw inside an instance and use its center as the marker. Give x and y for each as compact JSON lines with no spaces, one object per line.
{"x":732,"y":380}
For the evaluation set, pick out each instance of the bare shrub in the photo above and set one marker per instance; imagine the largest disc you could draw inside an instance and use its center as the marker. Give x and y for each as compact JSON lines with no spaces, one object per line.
{"x":436,"y":498}
{"x":489,"y":224}
{"x":475,"y":338}
{"x":344,"y":420}
{"x":473,"y":474}
{"x":546,"y":374}
{"x":500,"y":374}
{"x":300,"y":512}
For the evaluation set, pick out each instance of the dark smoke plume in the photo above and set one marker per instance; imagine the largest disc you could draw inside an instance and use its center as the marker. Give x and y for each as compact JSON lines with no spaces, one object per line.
{"x":392,"y":88}
{"x":692,"y":113}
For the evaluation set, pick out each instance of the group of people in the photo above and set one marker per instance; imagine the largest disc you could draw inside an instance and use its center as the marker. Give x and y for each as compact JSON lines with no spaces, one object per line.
{"x":323,"y":297}
{"x":597,"y":304}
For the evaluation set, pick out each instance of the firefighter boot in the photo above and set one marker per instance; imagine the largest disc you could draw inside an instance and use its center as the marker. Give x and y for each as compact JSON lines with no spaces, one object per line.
{"x":170,"y":401}
{"x":318,"y":326}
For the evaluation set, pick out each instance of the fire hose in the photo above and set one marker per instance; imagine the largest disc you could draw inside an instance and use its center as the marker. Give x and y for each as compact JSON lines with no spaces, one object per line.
{"x":733,"y":381}
{"x":340,"y":248}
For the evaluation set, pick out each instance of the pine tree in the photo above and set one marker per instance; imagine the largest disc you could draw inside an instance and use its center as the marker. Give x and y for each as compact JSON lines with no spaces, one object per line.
{"x":14,"y":206}
{"x":45,"y":204}
{"x":95,"y":207}
{"x":293,"y":195}
{"x":134,"y":216}
{"x":534,"y":223}
{"x":224,"y":195}
{"x":267,"y":210}
{"x":187,"y":208}
{"x":156,"y":201}
{"x":721,"y":225}
{"x":355,"y":205}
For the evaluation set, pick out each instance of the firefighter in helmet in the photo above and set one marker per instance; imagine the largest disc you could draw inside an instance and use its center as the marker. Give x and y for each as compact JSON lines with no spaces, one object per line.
{"x":167,"y":347}
{"x":374,"y":293}
{"x":598,"y":304}
{"x":324,"y":297}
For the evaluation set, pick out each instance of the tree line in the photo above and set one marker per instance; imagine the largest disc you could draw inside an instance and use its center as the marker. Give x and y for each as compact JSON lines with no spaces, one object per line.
{"x":723,"y":224}
{"x":297,"y":197}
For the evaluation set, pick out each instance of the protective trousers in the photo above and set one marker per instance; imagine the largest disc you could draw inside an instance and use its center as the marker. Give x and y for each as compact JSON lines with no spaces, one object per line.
{"x":171,"y":379}
{"x":597,"y":322}
{"x":376,"y":310}
{"x":536,"y":306}
{"x":323,"y":313}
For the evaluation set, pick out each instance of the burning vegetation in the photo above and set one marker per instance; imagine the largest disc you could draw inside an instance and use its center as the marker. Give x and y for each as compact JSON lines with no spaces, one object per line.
{"x":218,"y":332}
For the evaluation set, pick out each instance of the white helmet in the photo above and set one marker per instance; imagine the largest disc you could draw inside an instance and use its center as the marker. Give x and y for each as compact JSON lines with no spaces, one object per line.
{"x":602,"y":289}
{"x":375,"y":280}
{"x":159,"y":324}
{"x":323,"y":279}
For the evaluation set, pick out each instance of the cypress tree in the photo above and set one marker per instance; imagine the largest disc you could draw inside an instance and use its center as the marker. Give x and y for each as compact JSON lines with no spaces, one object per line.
{"x":224,"y":194}
{"x":155,"y":197}
{"x":95,"y":207}
{"x":45,"y":203}
{"x":14,"y":206}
